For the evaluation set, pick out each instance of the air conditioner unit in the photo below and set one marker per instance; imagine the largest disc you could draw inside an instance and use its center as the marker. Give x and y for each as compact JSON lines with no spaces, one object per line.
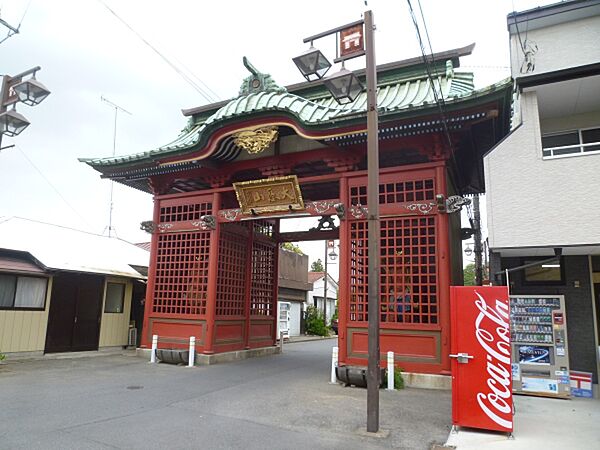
{"x":132,"y":339}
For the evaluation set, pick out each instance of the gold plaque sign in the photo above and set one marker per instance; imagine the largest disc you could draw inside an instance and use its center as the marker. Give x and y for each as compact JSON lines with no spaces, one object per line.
{"x":269,"y":195}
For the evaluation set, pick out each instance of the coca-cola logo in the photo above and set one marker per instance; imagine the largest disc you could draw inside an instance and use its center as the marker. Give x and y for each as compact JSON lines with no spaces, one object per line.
{"x":493,"y":334}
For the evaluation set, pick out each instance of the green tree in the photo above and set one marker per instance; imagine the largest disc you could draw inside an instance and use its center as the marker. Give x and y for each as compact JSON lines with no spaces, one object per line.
{"x":290,"y":246}
{"x":315,"y":322}
{"x":469,"y":275}
{"x":317,"y":266}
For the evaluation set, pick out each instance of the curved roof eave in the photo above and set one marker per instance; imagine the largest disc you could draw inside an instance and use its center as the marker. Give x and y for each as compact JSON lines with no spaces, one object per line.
{"x":305,"y":116}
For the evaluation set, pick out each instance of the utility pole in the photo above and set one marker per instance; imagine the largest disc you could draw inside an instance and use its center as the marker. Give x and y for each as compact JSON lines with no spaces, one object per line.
{"x":117,"y":108}
{"x":373,"y":371}
{"x":477,"y":244}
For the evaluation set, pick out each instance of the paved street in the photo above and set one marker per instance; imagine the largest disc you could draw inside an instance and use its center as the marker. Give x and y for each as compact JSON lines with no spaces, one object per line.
{"x":282,"y":401}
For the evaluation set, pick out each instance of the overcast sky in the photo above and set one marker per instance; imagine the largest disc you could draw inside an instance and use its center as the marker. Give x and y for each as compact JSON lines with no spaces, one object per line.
{"x":85,"y":52}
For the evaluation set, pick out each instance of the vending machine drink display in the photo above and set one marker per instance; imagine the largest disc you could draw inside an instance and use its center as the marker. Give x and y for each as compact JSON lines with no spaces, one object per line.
{"x":481,"y":356}
{"x":540,"y":361}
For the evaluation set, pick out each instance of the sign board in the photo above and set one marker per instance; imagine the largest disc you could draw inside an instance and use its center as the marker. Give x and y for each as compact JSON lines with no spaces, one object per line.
{"x":352,"y":42}
{"x":581,"y":384}
{"x":269,"y":195}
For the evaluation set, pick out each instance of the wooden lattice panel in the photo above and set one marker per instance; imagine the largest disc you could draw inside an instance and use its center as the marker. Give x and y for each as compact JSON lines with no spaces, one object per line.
{"x":231,"y":282}
{"x":408,"y":270}
{"x":184,"y":212}
{"x":264,"y":227}
{"x":396,"y":192}
{"x":181,"y":273}
{"x":359,"y":265}
{"x":263,"y":273}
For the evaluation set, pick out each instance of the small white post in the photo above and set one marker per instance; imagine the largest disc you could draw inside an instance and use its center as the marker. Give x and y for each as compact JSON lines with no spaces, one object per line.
{"x":390,"y":368}
{"x":334,"y":363}
{"x":192,"y":351}
{"x":154,"y":348}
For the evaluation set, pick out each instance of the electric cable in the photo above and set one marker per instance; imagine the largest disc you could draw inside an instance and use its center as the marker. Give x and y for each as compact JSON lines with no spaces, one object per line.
{"x":182,"y":74}
{"x":18,"y":147}
{"x":439,"y":99}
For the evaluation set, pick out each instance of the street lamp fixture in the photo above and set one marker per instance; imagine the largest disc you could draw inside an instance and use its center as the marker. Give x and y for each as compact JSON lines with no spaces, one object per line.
{"x":31,"y":92}
{"x":333,"y":255}
{"x":468,"y":250}
{"x":344,"y":86}
{"x":16,"y":89}
{"x":312,"y":64}
{"x":12,"y":123}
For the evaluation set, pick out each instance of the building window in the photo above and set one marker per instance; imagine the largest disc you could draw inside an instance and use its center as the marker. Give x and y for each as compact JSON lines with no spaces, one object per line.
{"x":544,"y":274}
{"x":22,"y":292}
{"x":115,"y":298}
{"x":570,"y":143}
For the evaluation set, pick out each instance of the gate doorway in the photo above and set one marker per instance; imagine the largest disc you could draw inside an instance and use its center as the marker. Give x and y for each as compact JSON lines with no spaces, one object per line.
{"x":74,"y":317}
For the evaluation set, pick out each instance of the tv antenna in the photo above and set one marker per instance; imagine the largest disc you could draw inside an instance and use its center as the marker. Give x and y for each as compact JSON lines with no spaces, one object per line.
{"x":117,"y":108}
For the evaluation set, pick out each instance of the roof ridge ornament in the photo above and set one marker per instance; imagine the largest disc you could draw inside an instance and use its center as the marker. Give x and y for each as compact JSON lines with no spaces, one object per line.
{"x":258,"y":82}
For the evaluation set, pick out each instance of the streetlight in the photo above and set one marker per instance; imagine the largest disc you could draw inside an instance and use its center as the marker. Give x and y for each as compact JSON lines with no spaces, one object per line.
{"x":468,"y":250}
{"x":351,"y":45}
{"x":16,"y":89}
{"x":312,"y":64}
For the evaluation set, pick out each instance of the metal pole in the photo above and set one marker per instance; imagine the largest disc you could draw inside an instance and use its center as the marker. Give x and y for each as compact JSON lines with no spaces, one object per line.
{"x":325,"y":287}
{"x":373,"y":372}
{"x":477,"y":247}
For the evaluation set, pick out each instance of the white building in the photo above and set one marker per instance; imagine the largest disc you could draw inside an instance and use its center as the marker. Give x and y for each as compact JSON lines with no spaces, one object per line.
{"x":315,"y":297}
{"x":543,"y":179}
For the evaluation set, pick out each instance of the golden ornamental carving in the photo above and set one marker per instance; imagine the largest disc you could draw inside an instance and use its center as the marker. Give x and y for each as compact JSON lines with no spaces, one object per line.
{"x":256,"y":141}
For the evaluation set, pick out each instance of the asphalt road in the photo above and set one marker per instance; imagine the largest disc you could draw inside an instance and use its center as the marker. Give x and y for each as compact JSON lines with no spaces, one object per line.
{"x":282,"y":401}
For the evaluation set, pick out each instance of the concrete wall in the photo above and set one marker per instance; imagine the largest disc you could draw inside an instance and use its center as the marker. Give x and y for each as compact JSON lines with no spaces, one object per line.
{"x":537,"y":202}
{"x":25,"y":331}
{"x":560,"y":46}
{"x":114,"y":327}
{"x":578,"y":304}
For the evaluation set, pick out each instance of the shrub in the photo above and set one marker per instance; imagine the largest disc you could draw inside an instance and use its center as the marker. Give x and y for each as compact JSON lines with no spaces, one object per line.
{"x":2,"y":356}
{"x":398,"y":380}
{"x":315,"y":322}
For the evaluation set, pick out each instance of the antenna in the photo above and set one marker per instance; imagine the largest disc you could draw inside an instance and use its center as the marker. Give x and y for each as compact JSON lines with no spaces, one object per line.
{"x":117,"y":108}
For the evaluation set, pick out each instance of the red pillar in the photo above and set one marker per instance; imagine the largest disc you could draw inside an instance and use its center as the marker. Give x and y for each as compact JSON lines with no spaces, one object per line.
{"x":275,"y":275}
{"x":146,"y":341}
{"x":444,"y":263}
{"x":344,"y":275}
{"x":213,"y":271}
{"x":248,"y":285}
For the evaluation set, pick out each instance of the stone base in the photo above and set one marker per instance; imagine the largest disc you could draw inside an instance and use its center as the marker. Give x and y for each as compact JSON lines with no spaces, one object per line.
{"x":217,"y":358}
{"x":427,"y":381}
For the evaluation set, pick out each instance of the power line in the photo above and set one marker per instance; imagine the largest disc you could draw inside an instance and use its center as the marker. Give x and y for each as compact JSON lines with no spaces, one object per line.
{"x":182,"y":74}
{"x":51,"y":185}
{"x":439,"y":98}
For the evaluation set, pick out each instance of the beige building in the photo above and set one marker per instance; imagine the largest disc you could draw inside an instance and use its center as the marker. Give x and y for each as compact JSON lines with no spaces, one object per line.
{"x":66,"y":290}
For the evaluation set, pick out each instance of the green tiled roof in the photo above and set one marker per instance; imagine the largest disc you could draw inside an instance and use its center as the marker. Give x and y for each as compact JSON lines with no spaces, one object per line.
{"x":393,"y":97}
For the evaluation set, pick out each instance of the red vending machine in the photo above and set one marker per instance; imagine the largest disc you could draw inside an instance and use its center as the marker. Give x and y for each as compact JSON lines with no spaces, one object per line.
{"x":481,"y":352}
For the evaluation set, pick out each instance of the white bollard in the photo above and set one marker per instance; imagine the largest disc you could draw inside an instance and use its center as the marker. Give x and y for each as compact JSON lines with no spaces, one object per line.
{"x":192,"y":351}
{"x":390,"y":367}
{"x":154,"y":348}
{"x":334,"y":363}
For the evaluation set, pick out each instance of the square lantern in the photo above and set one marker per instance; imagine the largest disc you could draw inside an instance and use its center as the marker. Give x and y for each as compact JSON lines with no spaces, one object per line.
{"x":312,"y":64}
{"x":12,"y":123}
{"x":31,"y":92}
{"x":344,"y":86}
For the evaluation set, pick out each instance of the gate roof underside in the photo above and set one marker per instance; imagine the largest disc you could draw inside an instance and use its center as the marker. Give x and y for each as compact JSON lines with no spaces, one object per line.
{"x":307,"y":112}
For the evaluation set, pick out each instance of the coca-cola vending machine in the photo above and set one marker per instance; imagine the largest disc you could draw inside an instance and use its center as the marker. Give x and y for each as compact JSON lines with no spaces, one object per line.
{"x":480,"y":353}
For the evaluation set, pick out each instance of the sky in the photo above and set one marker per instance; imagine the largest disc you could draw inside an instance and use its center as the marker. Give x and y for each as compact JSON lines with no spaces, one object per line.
{"x":87,"y":53}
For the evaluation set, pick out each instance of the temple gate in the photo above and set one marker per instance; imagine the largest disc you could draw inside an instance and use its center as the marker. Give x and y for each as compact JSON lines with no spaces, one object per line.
{"x":241,"y":166}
